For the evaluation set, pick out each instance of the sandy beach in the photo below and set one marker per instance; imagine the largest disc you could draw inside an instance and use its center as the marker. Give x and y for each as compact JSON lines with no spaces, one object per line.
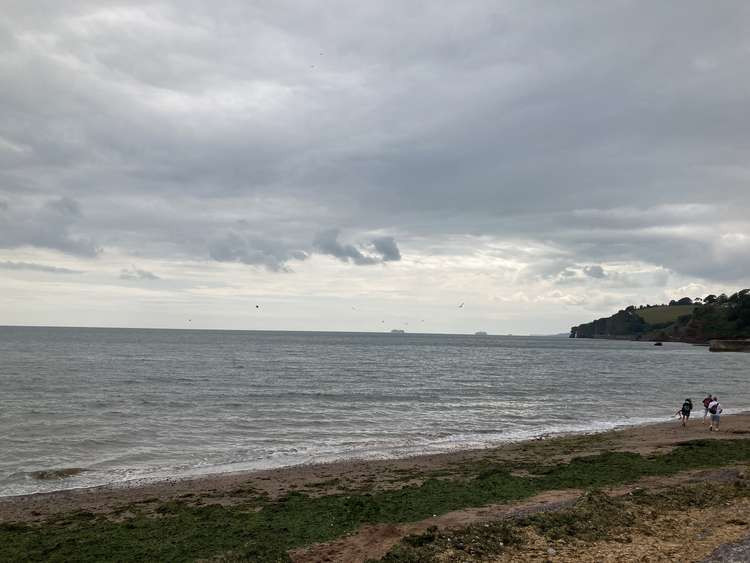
{"x":236,"y":491}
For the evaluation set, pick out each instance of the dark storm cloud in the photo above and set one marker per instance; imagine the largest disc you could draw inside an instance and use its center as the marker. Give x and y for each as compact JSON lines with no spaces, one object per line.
{"x":605,"y":131}
{"x":32,"y":267}
{"x":134,"y":273}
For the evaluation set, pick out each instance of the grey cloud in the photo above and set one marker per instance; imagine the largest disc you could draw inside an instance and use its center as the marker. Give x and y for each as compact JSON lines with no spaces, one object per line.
{"x":653,"y":277}
{"x":594,"y":271}
{"x":134,"y":273}
{"x":30,"y":266}
{"x":48,"y":226}
{"x":521,"y":123}
{"x":327,"y":242}
{"x":387,"y":248}
{"x":703,"y":251}
{"x":550,"y":268}
{"x":274,"y":256}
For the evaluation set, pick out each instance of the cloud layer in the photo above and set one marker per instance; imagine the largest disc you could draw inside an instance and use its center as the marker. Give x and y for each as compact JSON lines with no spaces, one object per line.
{"x":587,"y":145}
{"x":31,"y":267}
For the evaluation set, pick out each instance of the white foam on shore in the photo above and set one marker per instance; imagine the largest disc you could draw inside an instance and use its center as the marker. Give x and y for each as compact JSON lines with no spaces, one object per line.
{"x":124,"y":478}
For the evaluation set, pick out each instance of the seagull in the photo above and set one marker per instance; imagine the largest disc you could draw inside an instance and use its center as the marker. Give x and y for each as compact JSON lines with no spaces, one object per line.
{"x":461,"y":306}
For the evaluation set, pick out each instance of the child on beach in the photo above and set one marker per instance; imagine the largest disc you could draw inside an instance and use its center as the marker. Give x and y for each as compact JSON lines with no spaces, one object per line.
{"x":684,"y":411}
{"x":714,"y":409}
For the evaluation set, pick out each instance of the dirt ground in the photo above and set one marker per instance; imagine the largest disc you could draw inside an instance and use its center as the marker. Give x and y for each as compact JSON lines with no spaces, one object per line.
{"x":688,"y":536}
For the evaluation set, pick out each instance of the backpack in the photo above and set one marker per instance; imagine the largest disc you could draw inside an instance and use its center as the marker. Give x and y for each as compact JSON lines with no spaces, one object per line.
{"x":687,"y":407}
{"x":712,"y":410}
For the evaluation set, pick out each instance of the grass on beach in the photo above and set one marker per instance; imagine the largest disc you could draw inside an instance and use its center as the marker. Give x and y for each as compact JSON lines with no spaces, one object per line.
{"x":264,"y":530}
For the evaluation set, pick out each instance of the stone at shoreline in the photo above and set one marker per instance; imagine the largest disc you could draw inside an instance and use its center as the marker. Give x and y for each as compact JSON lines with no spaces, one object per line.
{"x":729,"y":345}
{"x":52,"y":474}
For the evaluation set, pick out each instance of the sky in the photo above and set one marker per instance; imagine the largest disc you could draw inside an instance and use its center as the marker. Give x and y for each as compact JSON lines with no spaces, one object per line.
{"x":369,"y":165}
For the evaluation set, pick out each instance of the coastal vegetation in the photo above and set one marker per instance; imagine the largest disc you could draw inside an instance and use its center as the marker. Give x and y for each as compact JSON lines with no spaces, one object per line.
{"x":684,"y":320}
{"x":265,"y":529}
{"x":659,"y":314}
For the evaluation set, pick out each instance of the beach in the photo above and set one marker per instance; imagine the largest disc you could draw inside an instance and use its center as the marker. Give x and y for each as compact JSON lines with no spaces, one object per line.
{"x":413,"y":495}
{"x":291,"y":282}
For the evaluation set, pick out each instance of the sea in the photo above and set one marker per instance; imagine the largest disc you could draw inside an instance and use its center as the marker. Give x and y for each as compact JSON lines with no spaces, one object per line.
{"x":124,"y":406}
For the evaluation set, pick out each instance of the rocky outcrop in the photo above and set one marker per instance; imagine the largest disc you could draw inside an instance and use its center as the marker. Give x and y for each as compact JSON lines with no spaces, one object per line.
{"x":729,"y":345}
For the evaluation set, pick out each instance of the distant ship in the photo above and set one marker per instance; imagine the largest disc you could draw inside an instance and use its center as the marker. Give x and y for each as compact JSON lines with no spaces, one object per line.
{"x":480,"y":333}
{"x":397,"y":331}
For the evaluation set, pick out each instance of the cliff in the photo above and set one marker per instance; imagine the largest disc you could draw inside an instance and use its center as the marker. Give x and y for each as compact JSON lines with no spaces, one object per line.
{"x":697,"y":322}
{"x":623,"y":324}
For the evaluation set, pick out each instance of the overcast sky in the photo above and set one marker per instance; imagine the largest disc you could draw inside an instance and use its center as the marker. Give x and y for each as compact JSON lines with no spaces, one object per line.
{"x":369,"y":165}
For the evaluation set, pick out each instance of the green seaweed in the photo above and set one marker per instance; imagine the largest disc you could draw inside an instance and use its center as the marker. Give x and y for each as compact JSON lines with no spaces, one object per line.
{"x":179,"y":530}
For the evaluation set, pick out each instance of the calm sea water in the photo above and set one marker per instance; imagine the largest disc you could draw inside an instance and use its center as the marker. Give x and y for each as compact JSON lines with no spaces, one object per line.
{"x":148,"y":404}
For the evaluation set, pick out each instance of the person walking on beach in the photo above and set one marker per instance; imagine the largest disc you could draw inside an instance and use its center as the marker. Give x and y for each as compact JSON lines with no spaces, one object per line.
{"x":684,"y":411}
{"x":706,"y":402}
{"x":714,"y":409}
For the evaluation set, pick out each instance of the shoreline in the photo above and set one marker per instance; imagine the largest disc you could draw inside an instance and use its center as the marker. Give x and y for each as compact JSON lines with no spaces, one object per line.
{"x":191,"y":475}
{"x":276,"y":482}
